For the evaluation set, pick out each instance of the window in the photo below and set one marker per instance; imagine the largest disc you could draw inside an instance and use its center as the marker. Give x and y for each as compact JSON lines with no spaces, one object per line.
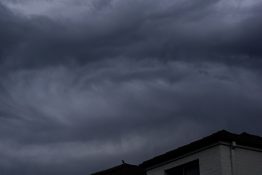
{"x":191,"y":168}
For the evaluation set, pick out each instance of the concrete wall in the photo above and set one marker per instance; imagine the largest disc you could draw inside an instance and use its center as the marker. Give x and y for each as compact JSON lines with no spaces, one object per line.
{"x":209,"y":162}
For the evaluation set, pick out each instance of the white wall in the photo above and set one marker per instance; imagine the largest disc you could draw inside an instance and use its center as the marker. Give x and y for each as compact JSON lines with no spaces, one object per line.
{"x":225,"y":160}
{"x":248,"y":162}
{"x":245,"y":161}
{"x":217,"y":161}
{"x":209,"y":162}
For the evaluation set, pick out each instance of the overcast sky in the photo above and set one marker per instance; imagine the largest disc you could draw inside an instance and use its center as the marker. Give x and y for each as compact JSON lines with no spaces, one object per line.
{"x":87,"y":83}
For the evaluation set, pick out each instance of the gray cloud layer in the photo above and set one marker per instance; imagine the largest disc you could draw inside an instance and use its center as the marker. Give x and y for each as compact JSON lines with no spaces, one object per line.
{"x":87,"y":86}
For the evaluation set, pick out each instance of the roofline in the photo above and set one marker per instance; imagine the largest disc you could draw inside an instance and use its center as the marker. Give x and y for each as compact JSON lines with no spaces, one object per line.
{"x":114,"y":168}
{"x":223,"y":137}
{"x":200,"y":150}
{"x":181,"y":157}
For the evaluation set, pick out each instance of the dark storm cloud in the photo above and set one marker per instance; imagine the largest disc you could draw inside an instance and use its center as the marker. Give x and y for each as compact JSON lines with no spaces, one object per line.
{"x":104,"y":112}
{"x":85,"y":84}
{"x":139,"y":29}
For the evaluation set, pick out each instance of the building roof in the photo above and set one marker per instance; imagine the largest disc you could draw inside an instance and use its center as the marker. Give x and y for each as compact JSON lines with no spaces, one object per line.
{"x":243,"y":139}
{"x":124,"y":169}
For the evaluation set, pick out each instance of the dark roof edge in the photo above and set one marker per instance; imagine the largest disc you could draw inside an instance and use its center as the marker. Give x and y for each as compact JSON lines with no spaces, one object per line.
{"x":109,"y":170}
{"x":244,"y":139}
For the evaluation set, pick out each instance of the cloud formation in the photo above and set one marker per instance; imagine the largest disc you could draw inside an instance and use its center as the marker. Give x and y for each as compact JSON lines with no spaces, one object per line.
{"x":84,"y":84}
{"x":217,"y":30}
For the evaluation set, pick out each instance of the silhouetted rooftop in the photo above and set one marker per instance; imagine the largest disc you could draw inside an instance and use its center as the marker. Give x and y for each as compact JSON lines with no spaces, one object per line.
{"x":243,"y":139}
{"x":124,"y":169}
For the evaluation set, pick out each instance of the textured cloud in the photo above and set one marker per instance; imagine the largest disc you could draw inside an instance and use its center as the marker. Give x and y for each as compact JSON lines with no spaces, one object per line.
{"x":217,"y":30}
{"x":84,"y":84}
{"x":84,"y":116}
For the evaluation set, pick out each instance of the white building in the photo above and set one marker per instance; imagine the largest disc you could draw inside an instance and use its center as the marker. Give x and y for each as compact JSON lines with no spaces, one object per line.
{"x":222,"y":153}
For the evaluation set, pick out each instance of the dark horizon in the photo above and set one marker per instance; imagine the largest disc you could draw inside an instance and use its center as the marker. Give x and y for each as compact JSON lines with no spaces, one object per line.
{"x":87,"y":83}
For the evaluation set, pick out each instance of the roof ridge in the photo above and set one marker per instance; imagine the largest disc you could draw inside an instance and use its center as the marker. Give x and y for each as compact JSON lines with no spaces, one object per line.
{"x":123,"y":165}
{"x":219,"y":136}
